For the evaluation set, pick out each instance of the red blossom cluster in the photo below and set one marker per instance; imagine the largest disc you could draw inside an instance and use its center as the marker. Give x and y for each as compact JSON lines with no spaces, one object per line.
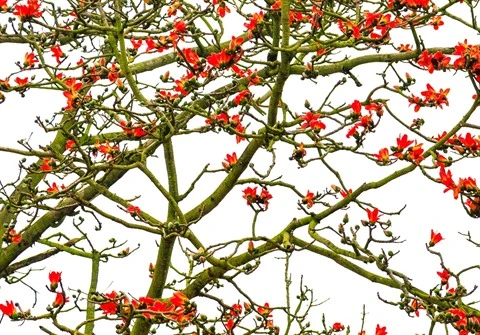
{"x":106,"y":149}
{"x":465,"y":186}
{"x":469,"y":58}
{"x":262,"y":199}
{"x":11,"y":236}
{"x":27,"y":11}
{"x":364,"y":121}
{"x":223,"y":119}
{"x":311,"y":122}
{"x":404,"y":150}
{"x":431,"y":98}
{"x":177,"y":308}
{"x":436,"y":61}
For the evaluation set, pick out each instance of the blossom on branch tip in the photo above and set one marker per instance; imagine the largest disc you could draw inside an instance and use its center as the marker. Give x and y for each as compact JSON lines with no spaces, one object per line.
{"x":373,"y":215}
{"x":337,"y":327}
{"x":380,"y":330}
{"x":444,"y":276}
{"x":308,"y":199}
{"x":434,"y":238}
{"x":9,"y":310}
{"x":60,"y":299}
{"x":133,"y":210}
{"x":54,"y":278}
{"x":230,"y":161}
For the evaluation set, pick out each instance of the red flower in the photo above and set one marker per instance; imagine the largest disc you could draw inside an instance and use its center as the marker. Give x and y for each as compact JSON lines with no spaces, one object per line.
{"x":337,"y":327}
{"x":12,"y":236}
{"x":47,"y":164}
{"x":436,"y":21}
{"x":312,"y":121}
{"x":3,"y":5}
{"x":308,"y":199}
{"x":70,"y":145}
{"x":136,"y":43}
{"x":179,"y":299}
{"x":254,"y":23}
{"x":264,"y":197}
{"x":28,"y":11}
{"x":9,"y":310}
{"x":415,"y":153}
{"x":242,"y":97}
{"x":264,"y":310}
{"x":380,"y":330}
{"x":220,"y":60}
{"x":133,"y":210}
{"x":416,"y":306}
{"x":236,"y":310}
{"x":106,"y":149}
{"x":446,"y":179}
{"x":222,"y":9}
{"x":250,"y":194}
{"x":57,"y":53}
{"x":230,"y":161}
{"x":54,"y":188}
{"x":345,"y":194}
{"x":21,"y":81}
{"x":110,"y":307}
{"x":373,"y":215}
{"x":230,"y":324}
{"x":403,"y":142}
{"x":435,"y":238}
{"x":60,"y":299}
{"x":55,"y":278}
{"x":444,"y":276}
{"x":29,"y":60}
{"x":383,"y":156}
{"x":356,"y":107}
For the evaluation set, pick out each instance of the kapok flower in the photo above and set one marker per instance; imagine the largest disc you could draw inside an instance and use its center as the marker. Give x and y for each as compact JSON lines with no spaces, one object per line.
{"x":9,"y":310}
{"x":373,"y":215}
{"x":47,"y":165}
{"x":107,"y":149}
{"x":264,"y":310}
{"x":416,"y":306}
{"x":110,"y":307}
{"x":28,"y":11}
{"x":311,"y":120}
{"x":57,"y":53}
{"x":383,"y":156}
{"x":21,"y":81}
{"x":264,"y":197}
{"x":345,"y":194}
{"x":230,"y":161}
{"x":179,"y":299}
{"x":308,"y":199}
{"x":70,"y":145}
{"x":54,"y":188}
{"x":11,"y":236}
{"x":55,"y":278}
{"x":133,"y":210}
{"x":337,"y":327}
{"x":434,"y":238}
{"x":60,"y":299}
{"x":250,"y":194}
{"x":380,"y":330}
{"x":29,"y":60}
{"x":444,"y":276}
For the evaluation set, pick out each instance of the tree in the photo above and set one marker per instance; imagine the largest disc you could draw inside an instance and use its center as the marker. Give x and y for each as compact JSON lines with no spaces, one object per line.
{"x":144,"y":85}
